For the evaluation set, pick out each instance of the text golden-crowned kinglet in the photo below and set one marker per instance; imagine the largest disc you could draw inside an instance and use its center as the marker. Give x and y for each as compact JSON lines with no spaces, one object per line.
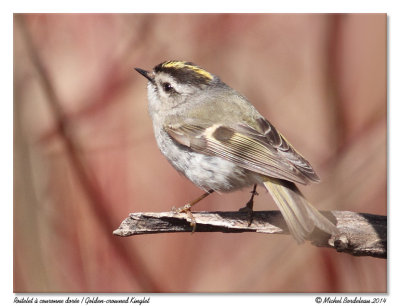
{"x":219,"y":141}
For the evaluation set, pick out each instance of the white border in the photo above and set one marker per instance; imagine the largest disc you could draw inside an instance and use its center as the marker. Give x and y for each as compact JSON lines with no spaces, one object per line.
{"x":305,"y":6}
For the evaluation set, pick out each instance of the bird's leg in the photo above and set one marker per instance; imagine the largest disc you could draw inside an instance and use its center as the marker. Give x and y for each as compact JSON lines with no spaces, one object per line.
{"x":249,"y":205}
{"x":187,"y":208}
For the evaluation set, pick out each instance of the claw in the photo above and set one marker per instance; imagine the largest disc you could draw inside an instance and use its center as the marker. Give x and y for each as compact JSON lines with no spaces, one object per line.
{"x":249,"y":205}
{"x":187,"y":209}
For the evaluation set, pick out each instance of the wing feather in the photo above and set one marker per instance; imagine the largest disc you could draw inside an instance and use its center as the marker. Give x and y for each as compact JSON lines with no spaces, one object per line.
{"x":263,"y":151}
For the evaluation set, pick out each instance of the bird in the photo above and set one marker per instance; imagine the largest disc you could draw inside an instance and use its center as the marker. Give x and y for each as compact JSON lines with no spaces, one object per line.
{"x":217,"y":139}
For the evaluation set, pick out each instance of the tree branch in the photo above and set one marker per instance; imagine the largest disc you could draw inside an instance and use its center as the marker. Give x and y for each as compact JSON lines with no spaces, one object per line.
{"x":359,"y":234}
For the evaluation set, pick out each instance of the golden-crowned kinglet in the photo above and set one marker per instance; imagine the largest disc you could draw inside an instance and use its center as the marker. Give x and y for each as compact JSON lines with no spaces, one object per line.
{"x":219,"y":141}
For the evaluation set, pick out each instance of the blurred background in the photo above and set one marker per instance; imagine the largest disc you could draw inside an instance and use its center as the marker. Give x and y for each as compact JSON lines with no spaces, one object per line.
{"x":85,"y":154}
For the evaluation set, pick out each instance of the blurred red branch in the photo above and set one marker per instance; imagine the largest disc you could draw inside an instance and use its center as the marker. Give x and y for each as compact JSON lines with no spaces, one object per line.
{"x":84,"y":174}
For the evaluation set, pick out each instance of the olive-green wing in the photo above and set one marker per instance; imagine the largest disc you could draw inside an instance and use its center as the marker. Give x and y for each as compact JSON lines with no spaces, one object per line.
{"x":263,"y":151}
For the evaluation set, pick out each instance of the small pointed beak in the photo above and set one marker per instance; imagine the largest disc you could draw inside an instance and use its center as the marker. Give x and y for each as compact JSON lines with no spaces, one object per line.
{"x":145,"y":73}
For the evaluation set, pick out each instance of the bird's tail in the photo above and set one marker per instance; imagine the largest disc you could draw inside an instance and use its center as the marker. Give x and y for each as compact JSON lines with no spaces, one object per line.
{"x":300,"y":216}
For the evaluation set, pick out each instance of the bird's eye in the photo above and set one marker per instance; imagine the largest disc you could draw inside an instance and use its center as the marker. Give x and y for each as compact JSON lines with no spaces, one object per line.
{"x":167,"y":87}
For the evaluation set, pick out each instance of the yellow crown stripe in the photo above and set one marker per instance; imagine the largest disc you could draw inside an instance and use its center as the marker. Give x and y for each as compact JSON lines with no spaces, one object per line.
{"x":180,"y":65}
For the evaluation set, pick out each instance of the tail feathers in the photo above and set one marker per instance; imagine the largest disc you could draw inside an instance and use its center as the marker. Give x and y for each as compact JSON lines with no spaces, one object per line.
{"x":300,"y":216}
